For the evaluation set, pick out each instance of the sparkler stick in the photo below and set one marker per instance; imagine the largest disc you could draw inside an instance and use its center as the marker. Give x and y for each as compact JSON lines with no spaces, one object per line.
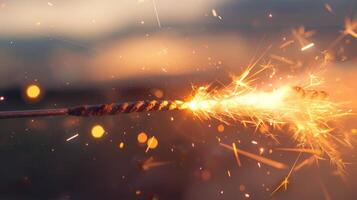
{"x":99,"y":110}
{"x":125,"y":107}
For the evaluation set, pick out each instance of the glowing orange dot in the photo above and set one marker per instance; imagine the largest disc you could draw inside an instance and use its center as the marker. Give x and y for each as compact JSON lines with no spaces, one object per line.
{"x":33,"y":91}
{"x":152,"y":143}
{"x":98,"y":131}
{"x":142,"y":137}
{"x":121,"y":145}
{"x":158,"y":93}
{"x":241,"y":188}
{"x":220,"y":128}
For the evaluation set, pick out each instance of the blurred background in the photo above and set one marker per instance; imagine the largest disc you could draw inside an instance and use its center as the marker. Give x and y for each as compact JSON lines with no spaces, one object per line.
{"x":64,"y":53}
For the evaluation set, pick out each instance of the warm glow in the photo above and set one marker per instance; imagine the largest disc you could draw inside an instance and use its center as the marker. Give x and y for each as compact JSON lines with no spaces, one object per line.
{"x":152,"y":143}
{"x":121,"y":145}
{"x":98,"y":131}
{"x":142,"y":138}
{"x":33,"y":91}
{"x":220,"y":128}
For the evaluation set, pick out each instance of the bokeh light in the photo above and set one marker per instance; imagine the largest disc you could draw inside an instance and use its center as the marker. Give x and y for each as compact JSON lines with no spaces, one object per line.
{"x":97,"y":131}
{"x":121,"y":145}
{"x":152,"y":143}
{"x":33,"y":91}
{"x":220,"y":128}
{"x":142,"y":137}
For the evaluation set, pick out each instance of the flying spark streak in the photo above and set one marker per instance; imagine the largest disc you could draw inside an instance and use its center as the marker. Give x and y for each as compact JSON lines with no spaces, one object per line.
{"x":284,"y":184}
{"x":350,"y":27}
{"x":72,"y":137}
{"x":156,"y":13}
{"x":258,"y":158}
{"x":306,"y":162}
{"x":151,"y":163}
{"x":304,"y":48}
{"x":310,"y":151}
{"x":236,"y":154}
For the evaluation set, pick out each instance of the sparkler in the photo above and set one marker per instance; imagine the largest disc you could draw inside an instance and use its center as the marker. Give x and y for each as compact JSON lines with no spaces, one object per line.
{"x":306,"y":112}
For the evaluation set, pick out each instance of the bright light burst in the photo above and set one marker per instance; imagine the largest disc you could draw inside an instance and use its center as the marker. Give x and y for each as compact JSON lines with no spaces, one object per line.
{"x":305,"y":113}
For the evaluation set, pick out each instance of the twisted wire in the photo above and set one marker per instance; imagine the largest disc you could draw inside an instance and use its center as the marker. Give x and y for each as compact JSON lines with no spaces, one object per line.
{"x":127,"y":107}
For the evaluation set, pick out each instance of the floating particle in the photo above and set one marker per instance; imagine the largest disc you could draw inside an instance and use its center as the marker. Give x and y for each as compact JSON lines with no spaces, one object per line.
{"x":121,"y":145}
{"x":261,"y":150}
{"x":328,"y":8}
{"x":142,"y":137}
{"x":97,"y":131}
{"x":214,"y":13}
{"x":2,"y":98}
{"x":229,"y":173}
{"x":72,"y":137}
{"x":246,"y":195}
{"x":254,"y":142}
{"x":307,"y":46}
{"x":241,"y":188}
{"x":33,"y":91}
{"x":220,"y":128}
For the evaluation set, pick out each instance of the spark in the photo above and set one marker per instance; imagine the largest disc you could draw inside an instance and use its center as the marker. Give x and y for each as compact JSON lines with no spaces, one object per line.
{"x":328,"y":8}
{"x":151,"y":163}
{"x":214,"y":13}
{"x":229,"y":173}
{"x":301,"y":35}
{"x":310,"y":151}
{"x":285,"y":182}
{"x":282,"y":59}
{"x":156,"y":13}
{"x":287,"y":43}
{"x":307,"y":113}
{"x":307,"y":46}
{"x":306,"y":162}
{"x":350,"y":27}
{"x":72,"y":137}
{"x":261,"y":159}
{"x":236,"y":154}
